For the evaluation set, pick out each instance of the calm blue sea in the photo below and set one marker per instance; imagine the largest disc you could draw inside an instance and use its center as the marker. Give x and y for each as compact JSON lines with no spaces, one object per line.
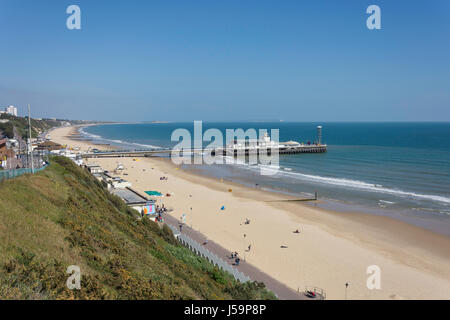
{"x":397,"y":169}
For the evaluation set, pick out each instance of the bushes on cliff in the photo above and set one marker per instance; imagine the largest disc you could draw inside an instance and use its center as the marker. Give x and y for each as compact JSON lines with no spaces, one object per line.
{"x":63,"y":216}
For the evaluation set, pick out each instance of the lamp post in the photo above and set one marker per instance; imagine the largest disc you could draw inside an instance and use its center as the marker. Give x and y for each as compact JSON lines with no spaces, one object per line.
{"x":29,"y":136}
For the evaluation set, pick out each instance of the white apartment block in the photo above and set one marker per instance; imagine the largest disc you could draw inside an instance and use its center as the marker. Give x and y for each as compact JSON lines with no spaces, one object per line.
{"x":11,"y":110}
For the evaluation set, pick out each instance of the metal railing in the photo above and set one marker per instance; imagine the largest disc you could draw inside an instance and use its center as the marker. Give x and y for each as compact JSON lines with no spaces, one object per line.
{"x":200,"y":250}
{"x":9,"y":174}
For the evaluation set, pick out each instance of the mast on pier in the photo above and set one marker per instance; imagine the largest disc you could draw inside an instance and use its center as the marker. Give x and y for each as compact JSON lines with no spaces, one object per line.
{"x":319,"y":134}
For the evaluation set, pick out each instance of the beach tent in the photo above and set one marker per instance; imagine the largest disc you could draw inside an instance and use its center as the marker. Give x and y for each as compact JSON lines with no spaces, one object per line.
{"x":154,"y":193}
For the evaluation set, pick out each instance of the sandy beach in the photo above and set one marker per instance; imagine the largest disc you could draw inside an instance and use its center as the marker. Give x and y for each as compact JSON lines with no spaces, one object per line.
{"x":332,"y":248}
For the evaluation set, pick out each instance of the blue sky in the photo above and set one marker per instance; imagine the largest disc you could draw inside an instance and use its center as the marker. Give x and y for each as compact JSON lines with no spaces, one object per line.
{"x":227,"y":60}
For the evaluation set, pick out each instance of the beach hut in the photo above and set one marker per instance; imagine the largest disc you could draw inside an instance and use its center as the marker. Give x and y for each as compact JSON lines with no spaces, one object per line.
{"x":149,"y":209}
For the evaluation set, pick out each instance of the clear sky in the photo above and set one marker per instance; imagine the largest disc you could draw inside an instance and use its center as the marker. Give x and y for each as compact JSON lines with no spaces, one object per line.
{"x":227,"y":60}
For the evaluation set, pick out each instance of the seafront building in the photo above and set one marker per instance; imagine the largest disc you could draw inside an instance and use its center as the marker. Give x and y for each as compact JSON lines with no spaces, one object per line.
{"x":11,"y":110}
{"x":115,"y":182}
{"x":94,"y":169}
{"x":136,"y":201}
{"x":7,"y":155}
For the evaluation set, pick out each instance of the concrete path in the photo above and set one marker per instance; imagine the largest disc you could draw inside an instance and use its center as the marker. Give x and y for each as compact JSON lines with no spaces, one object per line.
{"x":282,"y":291}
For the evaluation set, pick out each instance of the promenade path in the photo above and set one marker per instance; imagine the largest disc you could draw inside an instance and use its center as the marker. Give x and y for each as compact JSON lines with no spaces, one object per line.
{"x":282,"y":291}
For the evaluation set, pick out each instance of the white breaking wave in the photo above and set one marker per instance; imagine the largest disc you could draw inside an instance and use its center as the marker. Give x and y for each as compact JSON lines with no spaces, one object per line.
{"x":386,"y":202}
{"x":367,"y":186}
{"x":354,"y":184}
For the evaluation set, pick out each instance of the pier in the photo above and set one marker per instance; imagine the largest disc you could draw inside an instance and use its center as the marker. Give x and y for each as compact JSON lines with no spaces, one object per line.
{"x":238,"y":147}
{"x":282,"y":149}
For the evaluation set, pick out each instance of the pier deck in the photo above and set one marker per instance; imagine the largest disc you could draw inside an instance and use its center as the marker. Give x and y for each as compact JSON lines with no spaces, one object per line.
{"x":225,"y":152}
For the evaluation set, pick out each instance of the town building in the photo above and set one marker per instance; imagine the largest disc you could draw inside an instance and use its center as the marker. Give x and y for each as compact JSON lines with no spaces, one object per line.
{"x":11,"y":110}
{"x":7,"y":155}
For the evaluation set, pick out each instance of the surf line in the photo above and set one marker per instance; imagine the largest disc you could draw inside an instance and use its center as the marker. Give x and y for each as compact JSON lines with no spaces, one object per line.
{"x":316,"y":197}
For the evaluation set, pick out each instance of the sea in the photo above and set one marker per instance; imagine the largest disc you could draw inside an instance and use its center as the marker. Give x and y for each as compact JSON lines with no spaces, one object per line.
{"x":400,"y":170}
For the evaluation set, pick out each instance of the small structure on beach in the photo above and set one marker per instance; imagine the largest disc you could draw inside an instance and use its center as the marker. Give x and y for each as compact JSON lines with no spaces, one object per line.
{"x":135,"y":200}
{"x":115,"y":182}
{"x":94,"y":168}
{"x":119,"y":167}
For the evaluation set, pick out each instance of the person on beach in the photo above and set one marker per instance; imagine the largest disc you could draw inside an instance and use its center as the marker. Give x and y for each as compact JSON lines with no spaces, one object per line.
{"x":249,"y":247}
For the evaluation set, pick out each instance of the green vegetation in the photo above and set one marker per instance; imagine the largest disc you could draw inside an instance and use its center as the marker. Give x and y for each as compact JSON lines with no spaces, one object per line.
{"x":21,"y":125}
{"x":63,"y":216}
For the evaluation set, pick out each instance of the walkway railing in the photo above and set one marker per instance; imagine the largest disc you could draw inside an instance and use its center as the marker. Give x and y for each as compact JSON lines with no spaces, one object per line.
{"x":208,"y":255}
{"x":9,"y":174}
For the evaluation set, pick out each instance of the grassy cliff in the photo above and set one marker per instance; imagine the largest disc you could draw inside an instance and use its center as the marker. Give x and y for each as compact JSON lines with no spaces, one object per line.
{"x":20,"y":125}
{"x":63,"y":216}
